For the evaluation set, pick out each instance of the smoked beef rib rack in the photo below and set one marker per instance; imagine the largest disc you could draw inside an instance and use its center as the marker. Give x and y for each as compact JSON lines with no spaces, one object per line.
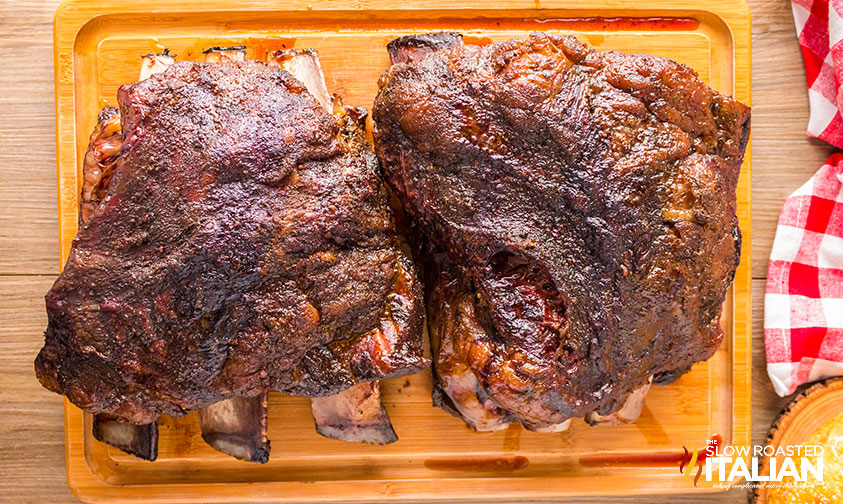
{"x":235,"y":238}
{"x":575,"y":213}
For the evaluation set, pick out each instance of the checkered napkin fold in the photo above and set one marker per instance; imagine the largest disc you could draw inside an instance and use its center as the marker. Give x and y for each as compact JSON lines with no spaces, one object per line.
{"x":803,"y":306}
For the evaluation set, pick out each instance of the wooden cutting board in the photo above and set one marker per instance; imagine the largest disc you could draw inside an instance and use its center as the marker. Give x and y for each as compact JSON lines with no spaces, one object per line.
{"x":98,"y":47}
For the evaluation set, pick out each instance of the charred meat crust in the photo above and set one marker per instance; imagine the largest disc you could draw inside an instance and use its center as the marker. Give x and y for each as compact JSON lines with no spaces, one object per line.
{"x":356,"y":413}
{"x":386,"y":351}
{"x":590,"y":197}
{"x":97,"y":171}
{"x":217,"y":268}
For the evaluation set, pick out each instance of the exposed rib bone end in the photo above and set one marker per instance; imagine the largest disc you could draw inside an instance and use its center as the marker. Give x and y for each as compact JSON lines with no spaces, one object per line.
{"x":305,"y":66}
{"x":237,"y":427}
{"x":138,"y":440}
{"x":217,"y":54}
{"x":560,"y":427}
{"x":355,"y":414}
{"x":460,"y":394}
{"x":155,"y":63}
{"x":415,"y":47}
{"x":628,"y":413}
{"x":456,"y":389}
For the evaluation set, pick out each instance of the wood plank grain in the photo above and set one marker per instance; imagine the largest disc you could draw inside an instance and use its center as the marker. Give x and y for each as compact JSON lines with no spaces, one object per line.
{"x":783,"y":158}
{"x":31,"y":425}
{"x":28,"y":219}
{"x":766,"y":405}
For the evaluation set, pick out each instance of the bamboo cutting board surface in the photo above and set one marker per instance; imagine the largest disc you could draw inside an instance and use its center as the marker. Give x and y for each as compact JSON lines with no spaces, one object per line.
{"x":97,"y":48}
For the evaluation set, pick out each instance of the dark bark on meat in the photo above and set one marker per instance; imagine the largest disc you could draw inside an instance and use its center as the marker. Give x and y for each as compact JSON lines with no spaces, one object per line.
{"x":235,"y":426}
{"x":585,"y":202}
{"x":240,"y":249}
{"x":138,"y":440}
{"x":365,"y":417}
{"x":97,"y":171}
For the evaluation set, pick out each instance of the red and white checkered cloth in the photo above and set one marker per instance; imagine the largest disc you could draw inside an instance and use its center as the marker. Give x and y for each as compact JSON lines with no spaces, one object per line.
{"x":819,"y":24}
{"x":803,"y":307}
{"x":803,"y":312}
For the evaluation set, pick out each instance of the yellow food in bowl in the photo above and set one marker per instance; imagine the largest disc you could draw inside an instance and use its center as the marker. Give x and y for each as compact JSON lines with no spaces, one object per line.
{"x":830,"y":491}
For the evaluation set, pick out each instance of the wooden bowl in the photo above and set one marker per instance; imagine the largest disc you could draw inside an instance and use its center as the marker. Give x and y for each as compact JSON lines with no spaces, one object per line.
{"x":801,"y":418}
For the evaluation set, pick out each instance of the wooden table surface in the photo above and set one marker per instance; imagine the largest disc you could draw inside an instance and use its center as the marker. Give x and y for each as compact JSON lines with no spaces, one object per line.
{"x":31,"y":424}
